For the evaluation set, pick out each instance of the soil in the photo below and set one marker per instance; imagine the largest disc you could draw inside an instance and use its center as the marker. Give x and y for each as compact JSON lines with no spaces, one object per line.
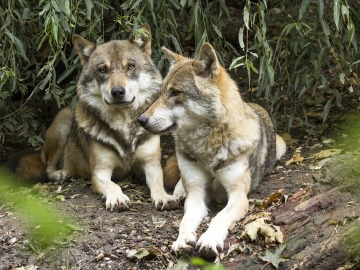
{"x":312,"y":215}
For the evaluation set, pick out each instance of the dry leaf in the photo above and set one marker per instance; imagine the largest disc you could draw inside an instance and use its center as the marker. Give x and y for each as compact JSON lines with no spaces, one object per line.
{"x":140,"y":254}
{"x":100,"y":256}
{"x":327,"y":153}
{"x":288,"y":139}
{"x":271,"y":232}
{"x":328,"y":141}
{"x":273,"y":198}
{"x":248,"y":218}
{"x":274,"y":258}
{"x":296,"y":158}
{"x":29,"y":267}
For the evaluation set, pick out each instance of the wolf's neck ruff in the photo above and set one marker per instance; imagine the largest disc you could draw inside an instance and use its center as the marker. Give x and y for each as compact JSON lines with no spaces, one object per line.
{"x":92,"y":122}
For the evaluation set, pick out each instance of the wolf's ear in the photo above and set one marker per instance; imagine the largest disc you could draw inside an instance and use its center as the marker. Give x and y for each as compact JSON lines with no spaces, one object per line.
{"x":83,"y":47}
{"x":142,"y":38}
{"x":207,"y":63}
{"x":171,"y":56}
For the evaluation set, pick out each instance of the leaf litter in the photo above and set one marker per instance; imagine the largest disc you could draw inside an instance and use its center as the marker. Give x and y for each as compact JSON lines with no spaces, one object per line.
{"x":275,"y":258}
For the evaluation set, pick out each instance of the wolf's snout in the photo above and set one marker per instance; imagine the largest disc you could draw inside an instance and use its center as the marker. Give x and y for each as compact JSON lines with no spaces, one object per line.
{"x":143,"y":120}
{"x":117,"y":92}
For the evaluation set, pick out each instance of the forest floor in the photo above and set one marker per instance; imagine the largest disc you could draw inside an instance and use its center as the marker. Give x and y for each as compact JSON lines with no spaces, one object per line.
{"x":301,"y":196}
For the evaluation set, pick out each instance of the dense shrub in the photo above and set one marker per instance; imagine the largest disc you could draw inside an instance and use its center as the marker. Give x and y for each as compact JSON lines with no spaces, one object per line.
{"x":293,"y":52}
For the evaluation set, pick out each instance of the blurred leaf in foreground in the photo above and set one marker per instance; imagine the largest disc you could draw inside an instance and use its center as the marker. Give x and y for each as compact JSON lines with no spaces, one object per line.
{"x":46,"y":223}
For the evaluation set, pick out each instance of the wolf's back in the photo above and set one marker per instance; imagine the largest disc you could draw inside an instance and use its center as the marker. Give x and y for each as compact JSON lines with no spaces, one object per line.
{"x":267,"y":143}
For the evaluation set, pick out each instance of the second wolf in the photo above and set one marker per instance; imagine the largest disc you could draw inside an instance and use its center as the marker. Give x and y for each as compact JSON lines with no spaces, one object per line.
{"x":102,"y":139}
{"x":224,"y":146}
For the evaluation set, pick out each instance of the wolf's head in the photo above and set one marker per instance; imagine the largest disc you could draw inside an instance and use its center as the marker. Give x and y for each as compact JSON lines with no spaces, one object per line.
{"x":193,"y":93}
{"x":117,"y":73}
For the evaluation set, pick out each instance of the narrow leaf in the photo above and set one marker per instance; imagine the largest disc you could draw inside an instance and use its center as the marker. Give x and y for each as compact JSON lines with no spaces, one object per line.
{"x":336,"y":11}
{"x":241,"y":38}
{"x":303,"y":8}
{"x":176,"y":43}
{"x":246,"y":16}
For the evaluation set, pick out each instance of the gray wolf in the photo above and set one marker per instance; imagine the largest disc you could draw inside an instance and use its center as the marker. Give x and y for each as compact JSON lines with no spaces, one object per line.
{"x":224,"y":146}
{"x":101,"y":139}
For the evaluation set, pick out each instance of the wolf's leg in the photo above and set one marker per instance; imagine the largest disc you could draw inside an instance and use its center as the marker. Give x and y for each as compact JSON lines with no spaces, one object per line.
{"x":102,"y":164}
{"x":56,"y":137}
{"x":280,"y":147}
{"x":236,"y":180}
{"x":102,"y":184}
{"x":148,"y":154}
{"x":154,"y":180}
{"x":195,"y":179}
{"x":179,"y":191}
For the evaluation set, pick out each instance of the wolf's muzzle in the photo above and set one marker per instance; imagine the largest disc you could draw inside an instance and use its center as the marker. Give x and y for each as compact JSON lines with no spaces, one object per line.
{"x":143,"y":120}
{"x":117,"y":93}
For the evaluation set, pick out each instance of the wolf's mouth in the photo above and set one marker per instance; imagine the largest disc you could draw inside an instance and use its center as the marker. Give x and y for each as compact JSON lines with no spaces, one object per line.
{"x":120,"y":103}
{"x":169,"y":129}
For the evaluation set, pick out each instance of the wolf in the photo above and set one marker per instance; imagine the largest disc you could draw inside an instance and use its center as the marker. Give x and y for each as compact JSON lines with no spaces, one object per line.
{"x":224,"y":145}
{"x":101,"y":138}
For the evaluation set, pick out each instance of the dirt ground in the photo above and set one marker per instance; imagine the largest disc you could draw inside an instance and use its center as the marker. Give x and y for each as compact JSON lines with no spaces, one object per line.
{"x":313,"y":217}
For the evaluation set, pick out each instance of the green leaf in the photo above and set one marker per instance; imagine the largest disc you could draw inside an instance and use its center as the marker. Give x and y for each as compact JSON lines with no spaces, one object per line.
{"x":54,"y":25}
{"x":66,"y":73}
{"x":342,"y":78}
{"x":321,"y":8}
{"x":197,"y":261}
{"x":241,"y":37}
{"x":356,"y":62}
{"x":176,"y":43}
{"x":303,"y":8}
{"x":182,"y":264}
{"x":325,"y":27}
{"x":336,"y":11}
{"x":326,"y":110}
{"x":134,"y":6}
{"x":217,"y":31}
{"x":55,"y":5}
{"x":89,"y":6}
{"x":246,"y":16}
{"x":351,"y":29}
{"x":65,"y":7}
{"x":234,"y":63}
{"x":73,"y":227}
{"x":19,"y":45}
{"x":274,"y":258}
{"x":60,"y":198}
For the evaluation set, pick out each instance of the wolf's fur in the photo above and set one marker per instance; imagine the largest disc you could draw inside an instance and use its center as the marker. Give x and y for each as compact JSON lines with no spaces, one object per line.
{"x":223,"y":145}
{"x":101,"y":138}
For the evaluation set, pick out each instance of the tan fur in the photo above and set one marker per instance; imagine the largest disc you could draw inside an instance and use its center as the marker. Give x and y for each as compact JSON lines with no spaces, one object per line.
{"x":30,"y":169}
{"x":55,"y":139}
{"x":101,"y":139}
{"x":224,"y":145}
{"x":171,"y":173}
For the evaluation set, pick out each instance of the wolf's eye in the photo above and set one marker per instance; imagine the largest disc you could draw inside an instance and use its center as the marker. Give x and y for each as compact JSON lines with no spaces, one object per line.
{"x":130,"y":66}
{"x":174,"y":92}
{"x":102,"y":69}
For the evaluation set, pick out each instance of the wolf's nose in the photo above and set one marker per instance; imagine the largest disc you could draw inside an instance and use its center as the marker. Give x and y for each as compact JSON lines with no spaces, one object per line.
{"x":117,"y":92}
{"x":142,"y":119}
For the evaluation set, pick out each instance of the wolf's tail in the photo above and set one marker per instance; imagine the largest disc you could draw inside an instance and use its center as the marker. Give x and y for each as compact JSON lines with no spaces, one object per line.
{"x":28,"y":168}
{"x":280,"y":147}
{"x":171,"y":173}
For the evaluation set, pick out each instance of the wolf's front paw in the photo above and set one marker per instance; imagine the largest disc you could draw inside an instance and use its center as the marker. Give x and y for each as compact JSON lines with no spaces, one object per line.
{"x":210,"y":243}
{"x":59,"y":175}
{"x":166,"y":202}
{"x":117,"y":200}
{"x":184,"y":243}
